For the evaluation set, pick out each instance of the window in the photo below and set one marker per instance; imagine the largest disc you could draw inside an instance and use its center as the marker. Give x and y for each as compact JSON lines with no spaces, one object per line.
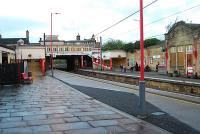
{"x":189,"y":48}
{"x":173,"y":50}
{"x":180,"y":49}
{"x":151,"y":60}
{"x":54,"y":49}
{"x":66,"y":49}
{"x":163,"y":62}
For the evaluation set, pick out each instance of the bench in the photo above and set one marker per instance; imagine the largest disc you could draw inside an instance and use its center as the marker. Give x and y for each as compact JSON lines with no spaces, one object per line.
{"x":25,"y":78}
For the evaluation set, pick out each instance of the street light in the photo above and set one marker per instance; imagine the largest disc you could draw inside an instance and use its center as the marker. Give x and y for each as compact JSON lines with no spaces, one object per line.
{"x":51,"y":45}
{"x":141,"y":82}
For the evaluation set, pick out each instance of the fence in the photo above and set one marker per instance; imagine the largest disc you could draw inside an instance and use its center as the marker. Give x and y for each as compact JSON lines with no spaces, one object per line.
{"x":10,"y":73}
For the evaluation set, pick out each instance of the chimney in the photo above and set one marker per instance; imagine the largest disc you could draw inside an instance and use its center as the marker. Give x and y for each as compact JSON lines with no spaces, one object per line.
{"x":44,"y":39}
{"x":27,"y":37}
{"x":78,"y":37}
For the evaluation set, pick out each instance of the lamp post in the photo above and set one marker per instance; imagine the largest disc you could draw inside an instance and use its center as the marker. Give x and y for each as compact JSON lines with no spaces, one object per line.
{"x":51,"y":46}
{"x":141,"y":82}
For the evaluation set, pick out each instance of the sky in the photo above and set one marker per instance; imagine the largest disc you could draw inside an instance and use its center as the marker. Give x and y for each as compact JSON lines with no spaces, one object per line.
{"x":88,"y":17}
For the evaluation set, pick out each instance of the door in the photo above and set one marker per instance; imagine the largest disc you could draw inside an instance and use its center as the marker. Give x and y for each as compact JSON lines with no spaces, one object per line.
{"x":189,"y":63}
{"x":189,"y":60}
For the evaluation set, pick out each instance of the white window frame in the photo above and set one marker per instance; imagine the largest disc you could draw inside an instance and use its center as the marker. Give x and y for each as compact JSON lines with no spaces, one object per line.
{"x":189,"y":48}
{"x":180,"y":49}
{"x":55,"y":49}
{"x":60,"y":49}
{"x":173,"y":49}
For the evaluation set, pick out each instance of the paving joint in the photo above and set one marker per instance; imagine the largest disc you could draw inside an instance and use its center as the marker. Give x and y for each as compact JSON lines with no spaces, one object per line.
{"x":112,"y":108}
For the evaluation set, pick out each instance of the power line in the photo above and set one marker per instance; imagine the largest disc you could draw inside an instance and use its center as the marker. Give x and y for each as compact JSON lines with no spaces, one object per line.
{"x":136,"y":40}
{"x":125,"y":18}
{"x":154,"y":36}
{"x":149,"y":37}
{"x":179,"y":12}
{"x":160,"y":19}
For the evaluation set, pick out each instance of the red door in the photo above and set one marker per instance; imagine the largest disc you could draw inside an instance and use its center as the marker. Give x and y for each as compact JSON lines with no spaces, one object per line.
{"x":189,"y":60}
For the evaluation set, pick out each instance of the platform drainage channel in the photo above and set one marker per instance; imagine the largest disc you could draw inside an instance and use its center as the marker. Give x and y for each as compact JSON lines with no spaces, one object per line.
{"x":158,"y":113}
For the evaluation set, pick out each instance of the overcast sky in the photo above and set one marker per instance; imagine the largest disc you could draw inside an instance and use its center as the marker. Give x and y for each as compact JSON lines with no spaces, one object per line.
{"x":88,"y":17}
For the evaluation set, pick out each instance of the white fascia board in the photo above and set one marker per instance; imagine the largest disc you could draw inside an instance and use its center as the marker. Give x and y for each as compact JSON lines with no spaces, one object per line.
{"x":3,"y":49}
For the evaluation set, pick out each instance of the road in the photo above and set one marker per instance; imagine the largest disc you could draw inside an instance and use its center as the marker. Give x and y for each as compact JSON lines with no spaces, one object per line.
{"x":180,"y":116}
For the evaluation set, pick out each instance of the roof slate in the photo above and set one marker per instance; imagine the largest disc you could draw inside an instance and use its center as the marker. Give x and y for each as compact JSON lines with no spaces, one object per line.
{"x":8,"y":41}
{"x":192,"y":26}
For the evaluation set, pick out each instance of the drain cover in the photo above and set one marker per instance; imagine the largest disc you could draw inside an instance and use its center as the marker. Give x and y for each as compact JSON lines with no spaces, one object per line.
{"x":158,"y":113}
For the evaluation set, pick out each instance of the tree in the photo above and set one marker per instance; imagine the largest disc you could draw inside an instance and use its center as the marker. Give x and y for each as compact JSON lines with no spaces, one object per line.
{"x":151,"y":42}
{"x":113,"y":45}
{"x":129,"y":47}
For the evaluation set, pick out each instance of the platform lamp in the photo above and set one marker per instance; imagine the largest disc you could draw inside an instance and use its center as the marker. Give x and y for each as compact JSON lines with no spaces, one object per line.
{"x":51,"y":58}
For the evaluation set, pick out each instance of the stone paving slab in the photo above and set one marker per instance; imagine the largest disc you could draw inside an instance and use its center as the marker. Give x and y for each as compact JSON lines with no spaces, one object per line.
{"x":48,"y":106}
{"x":27,"y":130}
{"x":99,"y":130}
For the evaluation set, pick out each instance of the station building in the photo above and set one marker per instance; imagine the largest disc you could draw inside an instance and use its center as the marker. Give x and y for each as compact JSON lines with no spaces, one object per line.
{"x":21,"y":50}
{"x":73,"y":53}
{"x":7,"y":55}
{"x":111,"y":60}
{"x":153,"y":56}
{"x":178,"y":54}
{"x":182,"y":48}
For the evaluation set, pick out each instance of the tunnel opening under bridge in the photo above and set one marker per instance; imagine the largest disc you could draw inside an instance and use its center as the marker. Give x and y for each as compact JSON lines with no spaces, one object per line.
{"x":70,"y":62}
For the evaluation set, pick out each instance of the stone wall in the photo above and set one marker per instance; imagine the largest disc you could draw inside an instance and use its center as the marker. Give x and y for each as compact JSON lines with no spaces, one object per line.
{"x":166,"y":85}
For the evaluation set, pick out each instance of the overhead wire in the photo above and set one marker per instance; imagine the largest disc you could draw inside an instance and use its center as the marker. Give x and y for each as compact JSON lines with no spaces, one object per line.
{"x":179,"y":12}
{"x":135,"y":40}
{"x":125,"y":18}
{"x":163,"y":18}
